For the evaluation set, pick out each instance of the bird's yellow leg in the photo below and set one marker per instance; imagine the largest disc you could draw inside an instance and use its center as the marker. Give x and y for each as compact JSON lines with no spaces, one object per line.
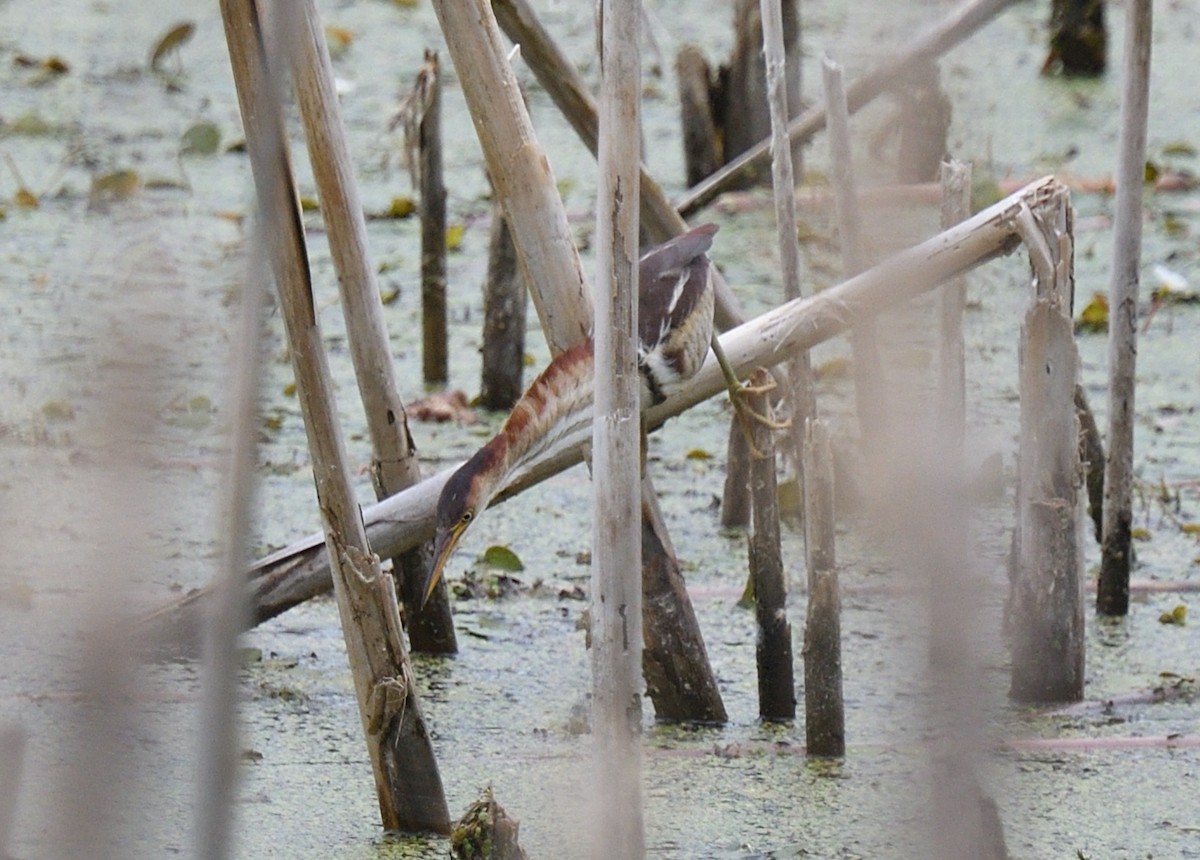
{"x":737,"y":394}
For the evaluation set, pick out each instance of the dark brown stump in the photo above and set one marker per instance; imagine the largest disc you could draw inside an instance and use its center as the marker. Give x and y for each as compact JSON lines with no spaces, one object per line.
{"x":824,"y":709}
{"x":702,"y":151}
{"x":924,"y":118}
{"x":1091,"y":453}
{"x":679,"y":679}
{"x":727,"y":113}
{"x":1078,"y":38}
{"x":504,"y":303}
{"x":773,"y":649}
{"x":735,"y":502}
{"x":434,"y":364}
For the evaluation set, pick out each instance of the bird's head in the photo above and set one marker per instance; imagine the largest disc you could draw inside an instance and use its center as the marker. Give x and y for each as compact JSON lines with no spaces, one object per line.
{"x":465,"y":495}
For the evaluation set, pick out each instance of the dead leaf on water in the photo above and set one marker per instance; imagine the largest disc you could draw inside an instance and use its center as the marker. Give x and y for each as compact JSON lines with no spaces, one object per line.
{"x":389,"y":296}
{"x":1176,"y":616}
{"x":48,"y":68}
{"x":111,"y":187}
{"x":58,"y":410}
{"x":30,"y":124}
{"x":308,"y":203}
{"x":454,"y":236}
{"x":699,"y":454}
{"x":25,"y":197}
{"x":170,"y":41}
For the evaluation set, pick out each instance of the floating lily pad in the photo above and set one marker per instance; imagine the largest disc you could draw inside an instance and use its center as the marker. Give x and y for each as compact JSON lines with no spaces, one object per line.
{"x":202,"y":138}
{"x":502,"y":558}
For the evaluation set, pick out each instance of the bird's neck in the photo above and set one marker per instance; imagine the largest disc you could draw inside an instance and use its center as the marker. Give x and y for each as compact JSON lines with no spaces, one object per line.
{"x":557,"y":405}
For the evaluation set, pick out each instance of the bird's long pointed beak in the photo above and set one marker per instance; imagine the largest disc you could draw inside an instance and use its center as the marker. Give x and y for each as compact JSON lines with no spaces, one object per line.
{"x":443,"y":548}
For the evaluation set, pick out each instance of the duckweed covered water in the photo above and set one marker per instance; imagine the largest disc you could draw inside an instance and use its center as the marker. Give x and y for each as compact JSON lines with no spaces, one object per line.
{"x":140,"y":285}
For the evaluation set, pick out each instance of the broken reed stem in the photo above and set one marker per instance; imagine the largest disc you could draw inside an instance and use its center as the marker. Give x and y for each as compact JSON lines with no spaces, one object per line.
{"x":773,"y":643}
{"x":952,"y":374}
{"x":394,"y":465}
{"x":947,"y":33}
{"x":1116,"y":553}
{"x":434,"y":361}
{"x":869,"y":397}
{"x":407,"y":782}
{"x":1046,"y":600}
{"x":824,"y":709}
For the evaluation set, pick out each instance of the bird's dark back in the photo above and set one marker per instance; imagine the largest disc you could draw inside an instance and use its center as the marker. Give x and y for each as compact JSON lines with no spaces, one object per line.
{"x":672,"y":280}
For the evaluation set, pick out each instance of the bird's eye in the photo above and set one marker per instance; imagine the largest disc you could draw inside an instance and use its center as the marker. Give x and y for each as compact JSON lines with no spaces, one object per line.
{"x":466,"y":517}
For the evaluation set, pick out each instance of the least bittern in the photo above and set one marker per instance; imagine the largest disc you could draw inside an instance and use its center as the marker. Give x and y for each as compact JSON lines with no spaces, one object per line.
{"x":675,"y":329}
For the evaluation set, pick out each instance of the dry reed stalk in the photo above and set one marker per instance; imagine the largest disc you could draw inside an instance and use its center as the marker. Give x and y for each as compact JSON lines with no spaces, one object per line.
{"x":407,"y":782}
{"x":783,"y":103}
{"x":1116,"y":554}
{"x":394,"y":465}
{"x":869,"y":390}
{"x":616,"y":591}
{"x":952,"y":375}
{"x":219,"y":753}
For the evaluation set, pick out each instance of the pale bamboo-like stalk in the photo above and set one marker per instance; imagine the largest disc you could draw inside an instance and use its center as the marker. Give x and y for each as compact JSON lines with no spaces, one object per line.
{"x":394,"y":463}
{"x":952,"y":374}
{"x":802,"y":394}
{"x":520,"y":172}
{"x":300,"y":571}
{"x":407,"y":782}
{"x":219,"y":752}
{"x":944,"y":35}
{"x":1116,"y":555}
{"x":616,"y":592}
{"x":869,"y":396}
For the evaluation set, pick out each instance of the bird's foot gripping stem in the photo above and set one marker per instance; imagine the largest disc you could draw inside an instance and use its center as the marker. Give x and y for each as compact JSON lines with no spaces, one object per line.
{"x":739,"y":393}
